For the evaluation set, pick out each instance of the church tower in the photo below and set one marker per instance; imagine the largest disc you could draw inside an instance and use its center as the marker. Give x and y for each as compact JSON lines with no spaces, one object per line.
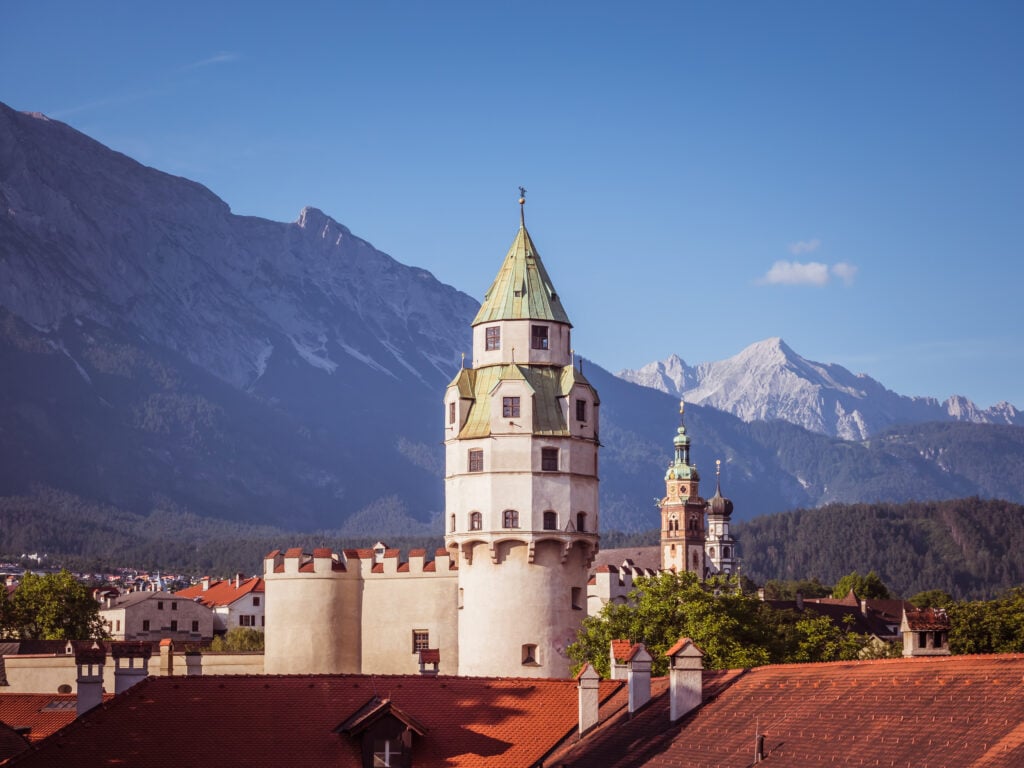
{"x":521,"y":504}
{"x":721,"y":544}
{"x":682,"y":511}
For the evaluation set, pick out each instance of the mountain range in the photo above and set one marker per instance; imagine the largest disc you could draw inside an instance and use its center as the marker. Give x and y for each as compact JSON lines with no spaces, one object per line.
{"x":164,"y":357}
{"x":768,"y":380}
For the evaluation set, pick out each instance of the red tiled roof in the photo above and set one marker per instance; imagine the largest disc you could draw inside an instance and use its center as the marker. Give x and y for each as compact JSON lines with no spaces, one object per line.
{"x":228,"y":721}
{"x":44,"y":713}
{"x":222,"y":592}
{"x":680,"y":644}
{"x":621,"y":649}
{"x":937,"y":711}
{"x":925,"y":619}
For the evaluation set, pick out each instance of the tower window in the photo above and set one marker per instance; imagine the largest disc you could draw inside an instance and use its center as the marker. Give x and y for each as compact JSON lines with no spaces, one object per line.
{"x":420,"y":640}
{"x":539,"y":337}
{"x":451,"y":412}
{"x":510,"y":407}
{"x":530,"y":655}
{"x":581,"y":522}
{"x":725,"y":552}
{"x":510,"y":518}
{"x":476,"y":521}
{"x":581,"y":410}
{"x":577,"y":599}
{"x":549,"y":459}
{"x":462,"y":597}
{"x":476,"y":460}
{"x":550,"y":520}
{"x":451,"y":525}
{"x":493,"y":338}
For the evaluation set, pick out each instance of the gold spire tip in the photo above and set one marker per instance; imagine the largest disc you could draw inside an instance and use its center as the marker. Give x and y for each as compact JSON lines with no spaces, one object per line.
{"x":682,"y":405}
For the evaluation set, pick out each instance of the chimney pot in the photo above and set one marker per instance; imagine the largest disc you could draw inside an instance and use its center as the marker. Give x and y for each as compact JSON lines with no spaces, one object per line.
{"x":587,"y":686}
{"x":686,"y":677}
{"x":639,"y":677}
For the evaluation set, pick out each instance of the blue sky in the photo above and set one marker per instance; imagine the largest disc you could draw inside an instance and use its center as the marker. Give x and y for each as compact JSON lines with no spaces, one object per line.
{"x":848,"y":176}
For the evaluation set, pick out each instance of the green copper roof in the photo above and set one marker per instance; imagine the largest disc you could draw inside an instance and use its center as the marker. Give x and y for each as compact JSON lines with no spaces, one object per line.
{"x":546,"y":382}
{"x":522,"y":290}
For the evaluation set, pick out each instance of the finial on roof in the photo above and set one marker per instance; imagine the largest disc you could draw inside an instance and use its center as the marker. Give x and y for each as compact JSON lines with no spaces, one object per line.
{"x":463,"y":364}
{"x":522,"y":206}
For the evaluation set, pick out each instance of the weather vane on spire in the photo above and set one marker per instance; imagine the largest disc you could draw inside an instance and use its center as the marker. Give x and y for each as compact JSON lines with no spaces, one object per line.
{"x":522,"y":195}
{"x":522,"y":204}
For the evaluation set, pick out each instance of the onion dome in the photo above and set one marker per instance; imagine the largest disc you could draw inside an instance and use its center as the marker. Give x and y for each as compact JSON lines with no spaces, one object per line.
{"x":719,"y":504}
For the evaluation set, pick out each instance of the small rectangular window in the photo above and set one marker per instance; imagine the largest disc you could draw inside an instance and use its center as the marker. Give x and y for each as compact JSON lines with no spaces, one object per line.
{"x":255,"y":600}
{"x":577,"y":599}
{"x":493,"y":335}
{"x":476,"y":521}
{"x":510,"y":518}
{"x":174,"y":625}
{"x":451,"y":412}
{"x":420,"y":640}
{"x":247,"y":620}
{"x":530,"y":655}
{"x":539,"y":337}
{"x":118,"y":627}
{"x":159,"y":605}
{"x":174,"y":605}
{"x":195,"y":626}
{"x":549,"y":459}
{"x":476,"y":460}
{"x":510,"y":407}
{"x":581,"y":410}
{"x":145,"y":625}
{"x":462,"y":599}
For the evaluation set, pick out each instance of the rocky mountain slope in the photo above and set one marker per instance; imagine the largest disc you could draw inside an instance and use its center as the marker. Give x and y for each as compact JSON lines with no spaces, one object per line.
{"x":768,"y":380}
{"x":165,"y":358}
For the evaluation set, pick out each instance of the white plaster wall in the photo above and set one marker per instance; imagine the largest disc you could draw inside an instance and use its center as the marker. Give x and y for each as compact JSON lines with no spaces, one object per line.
{"x":516,"y":335}
{"x":512,"y":603}
{"x":312,"y":621}
{"x":394,"y":606}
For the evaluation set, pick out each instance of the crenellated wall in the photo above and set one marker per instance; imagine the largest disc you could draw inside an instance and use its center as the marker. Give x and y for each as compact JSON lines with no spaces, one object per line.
{"x":356,"y":611}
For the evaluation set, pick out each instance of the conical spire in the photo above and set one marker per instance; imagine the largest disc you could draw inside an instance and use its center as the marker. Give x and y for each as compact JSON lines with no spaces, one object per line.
{"x":522,"y":290}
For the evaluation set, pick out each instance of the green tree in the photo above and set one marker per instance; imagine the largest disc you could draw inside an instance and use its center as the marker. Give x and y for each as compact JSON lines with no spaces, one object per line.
{"x":776,"y":589}
{"x":53,"y":606}
{"x":239,"y":639}
{"x":988,"y":626}
{"x":869,"y":587}
{"x":932,"y":598}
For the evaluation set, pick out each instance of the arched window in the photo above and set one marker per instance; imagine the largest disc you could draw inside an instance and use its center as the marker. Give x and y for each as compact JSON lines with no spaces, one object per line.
{"x":725,"y":552}
{"x":581,"y":522}
{"x":510,"y":518}
{"x":476,"y":521}
{"x":550,"y":520}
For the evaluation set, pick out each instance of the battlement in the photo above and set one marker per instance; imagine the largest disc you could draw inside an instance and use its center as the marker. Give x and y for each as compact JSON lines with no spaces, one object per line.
{"x":363,"y":563}
{"x":613,"y":583}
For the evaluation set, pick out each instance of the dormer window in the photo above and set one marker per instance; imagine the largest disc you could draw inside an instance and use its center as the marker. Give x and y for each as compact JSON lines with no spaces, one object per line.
{"x":581,"y":410}
{"x":386,"y":734}
{"x":492,"y":338}
{"x":539,"y":337}
{"x":510,"y":407}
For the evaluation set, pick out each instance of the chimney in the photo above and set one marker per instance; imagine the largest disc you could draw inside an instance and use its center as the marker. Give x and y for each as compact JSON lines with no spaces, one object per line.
{"x":431,"y":657}
{"x":587,"y":681}
{"x":166,"y":657}
{"x":864,"y":606}
{"x":131,"y":664}
{"x":205,"y":582}
{"x":799,"y":600}
{"x":639,"y":677}
{"x":193,"y":663}
{"x":238,"y":580}
{"x":90,"y":661}
{"x":618,"y":651}
{"x":686,"y":677}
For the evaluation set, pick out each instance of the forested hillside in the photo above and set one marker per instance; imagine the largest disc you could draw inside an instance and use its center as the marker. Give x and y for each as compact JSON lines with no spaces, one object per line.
{"x":971,"y":548}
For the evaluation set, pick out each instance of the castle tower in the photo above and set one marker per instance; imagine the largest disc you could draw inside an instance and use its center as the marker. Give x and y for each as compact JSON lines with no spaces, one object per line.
{"x":521,"y":440}
{"x":720,"y":544}
{"x":682,"y":511}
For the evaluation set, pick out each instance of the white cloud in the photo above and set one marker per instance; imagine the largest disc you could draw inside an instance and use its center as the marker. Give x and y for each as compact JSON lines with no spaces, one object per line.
{"x":221,"y":58}
{"x":845,"y":272}
{"x":796,"y":273}
{"x":804,"y":246}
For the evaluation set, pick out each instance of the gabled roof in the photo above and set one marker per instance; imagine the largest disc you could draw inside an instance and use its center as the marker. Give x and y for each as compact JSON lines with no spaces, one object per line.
{"x":522,"y":290}
{"x":546,"y":383}
{"x":374,"y":710}
{"x":42,"y":713}
{"x":938,"y":711}
{"x":223,"y":592}
{"x":290,"y":720}
{"x":927,"y":619}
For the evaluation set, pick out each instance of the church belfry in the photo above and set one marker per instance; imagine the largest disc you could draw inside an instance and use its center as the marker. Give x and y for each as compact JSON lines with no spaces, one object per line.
{"x":521,"y":483}
{"x":721,"y":545}
{"x":682,"y":510}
